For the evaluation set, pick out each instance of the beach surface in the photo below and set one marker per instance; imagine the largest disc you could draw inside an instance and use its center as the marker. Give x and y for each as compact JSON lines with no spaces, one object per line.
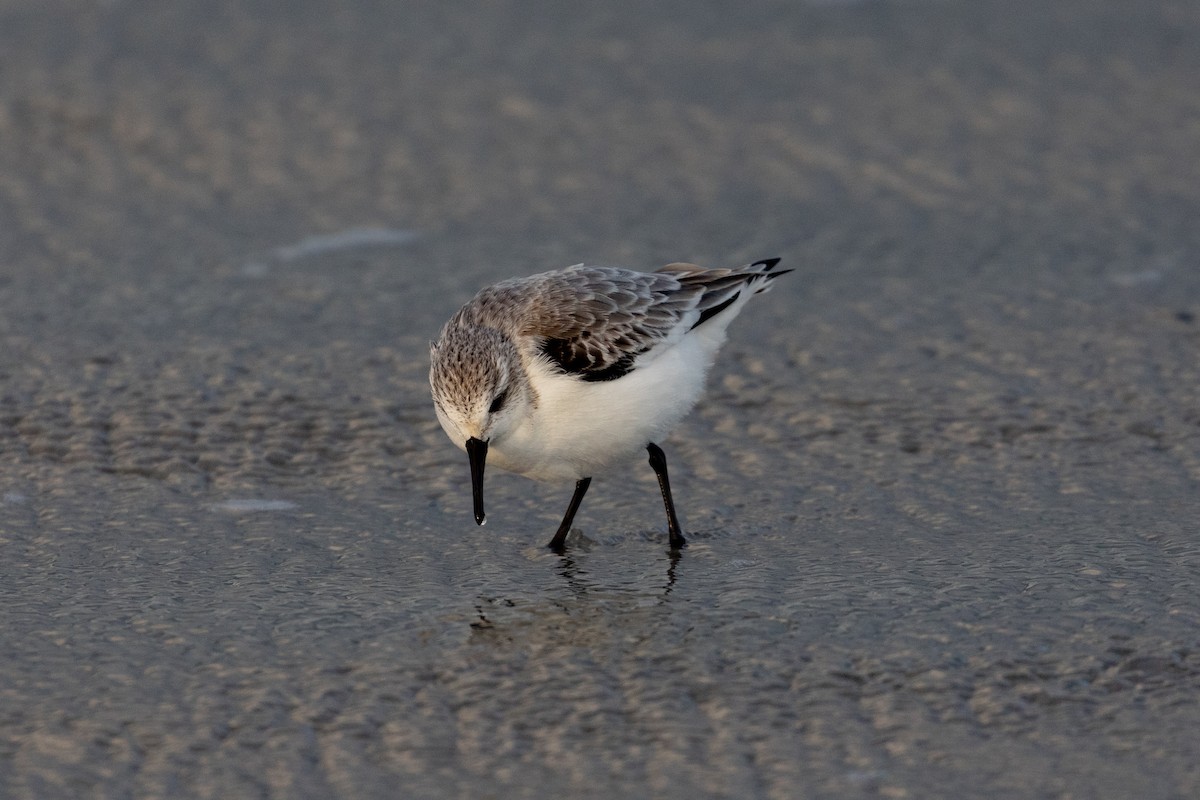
{"x":942,"y":492}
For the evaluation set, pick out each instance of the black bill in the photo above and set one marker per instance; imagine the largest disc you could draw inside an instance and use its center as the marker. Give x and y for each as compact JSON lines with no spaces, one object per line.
{"x":477,"y":453}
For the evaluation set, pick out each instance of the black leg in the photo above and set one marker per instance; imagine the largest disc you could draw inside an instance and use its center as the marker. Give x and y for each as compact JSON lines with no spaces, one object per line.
{"x":560,"y":539}
{"x":658,"y":462}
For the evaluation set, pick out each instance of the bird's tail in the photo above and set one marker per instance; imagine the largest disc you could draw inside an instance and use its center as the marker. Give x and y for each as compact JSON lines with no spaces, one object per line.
{"x":721,"y":287}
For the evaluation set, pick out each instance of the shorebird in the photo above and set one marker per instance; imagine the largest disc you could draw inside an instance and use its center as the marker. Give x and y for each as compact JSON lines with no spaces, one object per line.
{"x":568,"y":374}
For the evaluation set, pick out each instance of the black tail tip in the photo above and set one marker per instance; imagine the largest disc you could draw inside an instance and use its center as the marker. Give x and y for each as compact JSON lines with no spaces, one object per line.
{"x":767,"y":263}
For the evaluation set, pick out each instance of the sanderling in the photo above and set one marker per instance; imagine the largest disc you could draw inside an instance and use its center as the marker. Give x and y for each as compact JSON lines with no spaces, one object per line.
{"x":564,"y":375}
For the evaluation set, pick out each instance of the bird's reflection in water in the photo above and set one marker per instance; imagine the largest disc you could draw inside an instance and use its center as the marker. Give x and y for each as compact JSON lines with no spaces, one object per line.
{"x":578,"y":594}
{"x":580,"y":582}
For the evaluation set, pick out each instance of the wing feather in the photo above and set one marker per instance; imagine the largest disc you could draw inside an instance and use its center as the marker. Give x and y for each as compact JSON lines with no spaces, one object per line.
{"x":596,"y":322}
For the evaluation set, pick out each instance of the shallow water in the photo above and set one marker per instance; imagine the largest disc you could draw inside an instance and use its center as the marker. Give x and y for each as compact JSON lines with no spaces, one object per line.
{"x":342,"y":648}
{"x":940,"y":494}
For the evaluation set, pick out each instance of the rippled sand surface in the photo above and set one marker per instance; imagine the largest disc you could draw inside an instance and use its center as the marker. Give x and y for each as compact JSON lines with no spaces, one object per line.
{"x":941,"y":493}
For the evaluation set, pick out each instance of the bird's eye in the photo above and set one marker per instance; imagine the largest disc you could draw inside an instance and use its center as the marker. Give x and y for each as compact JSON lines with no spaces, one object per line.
{"x":498,"y":403}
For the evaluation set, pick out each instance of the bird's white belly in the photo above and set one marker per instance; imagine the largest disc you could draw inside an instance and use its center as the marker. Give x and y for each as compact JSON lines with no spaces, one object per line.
{"x":580,"y":429}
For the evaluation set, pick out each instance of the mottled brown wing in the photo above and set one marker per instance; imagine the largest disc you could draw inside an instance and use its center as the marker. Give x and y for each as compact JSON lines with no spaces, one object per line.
{"x":592,"y":322}
{"x":595,"y":322}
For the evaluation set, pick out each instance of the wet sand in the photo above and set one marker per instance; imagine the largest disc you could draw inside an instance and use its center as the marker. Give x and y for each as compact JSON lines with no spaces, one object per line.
{"x":941,"y":493}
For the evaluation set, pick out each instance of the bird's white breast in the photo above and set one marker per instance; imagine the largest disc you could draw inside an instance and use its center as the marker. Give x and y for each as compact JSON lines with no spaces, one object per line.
{"x":583,"y":428}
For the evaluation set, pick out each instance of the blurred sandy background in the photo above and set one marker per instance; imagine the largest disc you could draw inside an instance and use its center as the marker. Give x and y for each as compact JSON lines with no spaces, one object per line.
{"x":942,"y":491}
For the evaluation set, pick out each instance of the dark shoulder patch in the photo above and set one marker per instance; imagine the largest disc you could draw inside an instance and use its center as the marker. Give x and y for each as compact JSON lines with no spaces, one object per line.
{"x":622,"y":366}
{"x":574,"y":358}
